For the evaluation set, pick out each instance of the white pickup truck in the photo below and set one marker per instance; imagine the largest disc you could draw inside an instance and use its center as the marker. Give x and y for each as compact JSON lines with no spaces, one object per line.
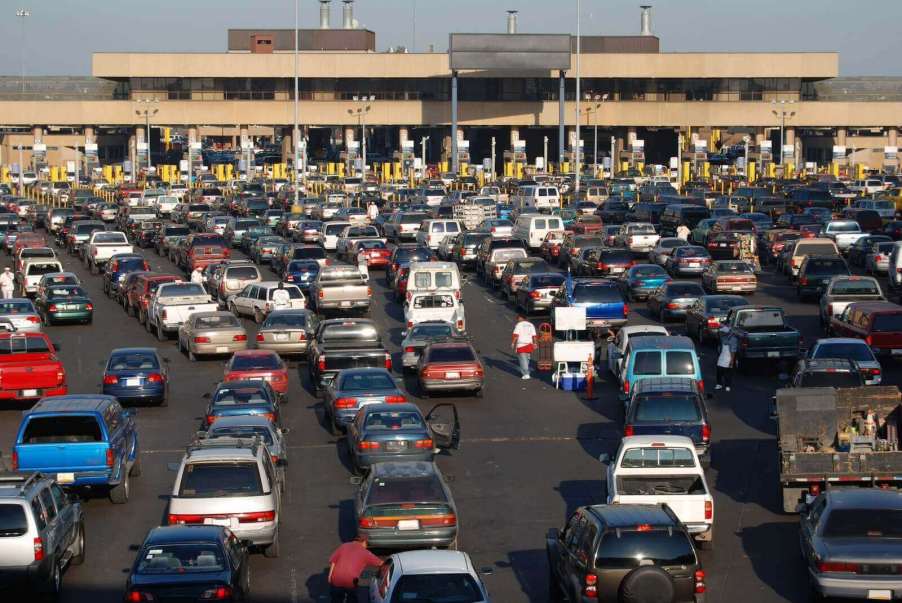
{"x":173,"y":303}
{"x":102,"y":246}
{"x":638,"y":237}
{"x":844,"y":233}
{"x":655,"y":469}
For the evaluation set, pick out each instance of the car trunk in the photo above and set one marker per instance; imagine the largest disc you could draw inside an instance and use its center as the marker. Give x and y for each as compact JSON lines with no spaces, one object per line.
{"x":685,"y":494}
{"x":450,"y":371}
{"x":55,"y":444}
{"x":25,"y":372}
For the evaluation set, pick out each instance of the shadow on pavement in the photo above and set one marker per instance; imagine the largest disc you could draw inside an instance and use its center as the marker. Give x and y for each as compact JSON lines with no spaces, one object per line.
{"x":577,"y":493}
{"x":773,"y":550}
{"x":531,"y":569}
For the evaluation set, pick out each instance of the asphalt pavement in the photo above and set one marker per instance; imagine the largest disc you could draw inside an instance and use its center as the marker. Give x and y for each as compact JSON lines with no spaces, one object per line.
{"x":528,"y":456}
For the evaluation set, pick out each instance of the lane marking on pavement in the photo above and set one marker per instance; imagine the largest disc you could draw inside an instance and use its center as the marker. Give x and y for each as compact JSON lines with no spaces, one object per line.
{"x":293,"y":585}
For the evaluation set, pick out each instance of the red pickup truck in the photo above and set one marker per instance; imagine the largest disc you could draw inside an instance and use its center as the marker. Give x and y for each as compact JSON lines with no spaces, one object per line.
{"x":29,"y":368}
{"x":202,"y":249}
{"x":879,"y":323}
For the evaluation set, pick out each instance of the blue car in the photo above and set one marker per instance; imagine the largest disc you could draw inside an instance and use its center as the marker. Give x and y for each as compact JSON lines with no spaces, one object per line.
{"x":119,"y":267}
{"x":504,"y":211}
{"x":85,"y":440}
{"x":352,"y":389}
{"x":136,"y":375}
{"x":641,"y":281}
{"x":242,"y":398}
{"x":302,"y":273}
{"x":605,"y":308}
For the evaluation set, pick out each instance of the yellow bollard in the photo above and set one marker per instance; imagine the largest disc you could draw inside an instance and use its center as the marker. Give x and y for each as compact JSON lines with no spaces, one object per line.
{"x":685,"y":173}
{"x":706,"y":170}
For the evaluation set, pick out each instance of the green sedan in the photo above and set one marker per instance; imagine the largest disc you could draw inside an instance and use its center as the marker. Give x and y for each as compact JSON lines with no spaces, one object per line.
{"x":65,"y":304}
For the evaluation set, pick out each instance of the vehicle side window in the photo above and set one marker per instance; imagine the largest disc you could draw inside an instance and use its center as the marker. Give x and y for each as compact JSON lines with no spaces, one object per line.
{"x":261,"y":293}
{"x":270,"y":472}
{"x":575,"y":532}
{"x":585,"y":550}
{"x":49,"y":507}
{"x":40,"y":519}
{"x":113,"y":419}
{"x":385,"y":577}
{"x":59,"y":497}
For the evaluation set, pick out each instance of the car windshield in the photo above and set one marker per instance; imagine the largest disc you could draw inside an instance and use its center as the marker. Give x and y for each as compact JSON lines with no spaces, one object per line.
{"x":180,"y":559}
{"x":436,"y":588}
{"x":668,"y":409}
{"x":451,"y":354}
{"x":657,"y":458}
{"x":392,"y":421}
{"x":830,"y":379}
{"x":863,"y":523}
{"x":629,"y":549}
{"x":855,"y":286}
{"x":286,"y":321}
{"x":887,"y":323}
{"x":431,"y":331}
{"x":63,"y":429}
{"x":596,"y":293}
{"x":16,"y":307}
{"x":231,"y":396}
{"x":241,"y":431}
{"x":220,"y":479}
{"x":263,"y":362}
{"x":360,"y":382}
{"x":132,"y":361}
{"x":218,"y":321}
{"x":68,"y":291}
{"x":854,"y":351}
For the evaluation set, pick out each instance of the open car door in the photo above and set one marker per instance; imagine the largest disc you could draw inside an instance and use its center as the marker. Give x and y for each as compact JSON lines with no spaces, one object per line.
{"x":445,"y":426}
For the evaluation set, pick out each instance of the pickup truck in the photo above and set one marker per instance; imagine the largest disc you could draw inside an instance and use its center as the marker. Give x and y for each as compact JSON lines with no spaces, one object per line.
{"x":29,"y":368}
{"x":662,"y":469}
{"x":763,"y":334}
{"x":340,"y":287}
{"x":825,"y":438}
{"x":341,"y":343}
{"x":844,"y":290}
{"x":173,"y":303}
{"x":638,"y":237}
{"x":86,"y":440}
{"x":844,"y":233}
{"x":102,"y":246}
{"x":605,"y":308}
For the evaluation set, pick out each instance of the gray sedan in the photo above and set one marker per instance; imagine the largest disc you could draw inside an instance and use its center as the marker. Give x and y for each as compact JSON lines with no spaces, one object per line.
{"x":399,"y":432}
{"x":852,"y":543}
{"x":853,"y":349}
{"x":208,"y":333}
{"x":21,"y":314}
{"x":251,"y":426}
{"x":422,"y":334}
{"x":287,"y":331}
{"x":353,"y":389}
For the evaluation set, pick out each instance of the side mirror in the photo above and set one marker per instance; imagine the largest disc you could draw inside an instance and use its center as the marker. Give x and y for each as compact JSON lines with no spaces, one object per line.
{"x":57,"y":346}
{"x":172,"y":466}
{"x":355,"y":480}
{"x":604,"y":458}
{"x":285,"y":430}
{"x":403,"y":333}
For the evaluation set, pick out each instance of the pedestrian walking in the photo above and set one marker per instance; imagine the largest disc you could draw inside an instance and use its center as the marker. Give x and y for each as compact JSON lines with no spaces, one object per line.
{"x":683,"y":232}
{"x":197,"y":276}
{"x":726,"y":360}
{"x":7,"y":283}
{"x":345,"y":567}
{"x":523,"y":341}
{"x":372,"y":211}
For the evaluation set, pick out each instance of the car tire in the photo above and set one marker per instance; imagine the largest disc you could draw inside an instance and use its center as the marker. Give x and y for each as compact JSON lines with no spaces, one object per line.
{"x":54,"y":583}
{"x":271,"y":551}
{"x":119,"y":494}
{"x":647,"y":583}
{"x":161,"y":334}
{"x":78,"y":553}
{"x":258,"y":318}
{"x":136,"y":470}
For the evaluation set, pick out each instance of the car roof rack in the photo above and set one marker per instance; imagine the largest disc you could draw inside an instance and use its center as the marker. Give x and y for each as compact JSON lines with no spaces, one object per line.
{"x":206,"y":443}
{"x":12,"y":478}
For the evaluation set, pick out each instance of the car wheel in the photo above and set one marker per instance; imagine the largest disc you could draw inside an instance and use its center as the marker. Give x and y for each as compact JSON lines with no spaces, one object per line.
{"x":161,"y":334}
{"x":272,"y":550}
{"x":258,"y":318}
{"x":119,"y":493}
{"x":54,"y":581}
{"x":78,"y":551}
{"x":135,"y":470}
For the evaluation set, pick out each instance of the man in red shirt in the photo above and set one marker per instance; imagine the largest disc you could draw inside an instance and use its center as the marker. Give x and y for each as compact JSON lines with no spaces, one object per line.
{"x":345,"y":566}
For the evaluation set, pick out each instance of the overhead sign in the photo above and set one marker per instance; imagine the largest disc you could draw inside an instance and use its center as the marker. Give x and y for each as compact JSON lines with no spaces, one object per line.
{"x":195,"y":146}
{"x":839,"y":152}
{"x":638,"y":146}
{"x":700,"y":146}
{"x":407,"y":145}
{"x":519,"y":146}
{"x":541,"y":52}
{"x":789,"y":151}
{"x":463,"y":144}
{"x":890,"y":153}
{"x":540,"y":163}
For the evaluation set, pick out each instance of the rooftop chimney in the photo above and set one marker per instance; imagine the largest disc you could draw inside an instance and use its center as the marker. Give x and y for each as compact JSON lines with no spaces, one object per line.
{"x":646,"y":20}
{"x":347,"y":17}
{"x":511,"y":21}
{"x":324,"y":13}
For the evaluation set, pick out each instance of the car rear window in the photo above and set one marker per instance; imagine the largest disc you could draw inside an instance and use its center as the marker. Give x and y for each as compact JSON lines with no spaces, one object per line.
{"x":679,"y":363}
{"x":647,"y":363}
{"x":34,"y":269}
{"x":132,"y":361}
{"x":23,"y":345}
{"x":16,"y":307}
{"x":219,"y":321}
{"x":668,"y":409}
{"x":853,"y":351}
{"x":596,"y":293}
{"x":451,"y":354}
{"x":456,"y":588}
{"x":182,"y":290}
{"x":657,"y":458}
{"x":815,"y":249}
{"x":266,"y":362}
{"x":62,"y":429}
{"x":433,"y":301}
{"x":285,"y":320}
{"x":863,"y":523}
{"x":617,"y":256}
{"x":222,"y":479}
{"x":231,"y":396}
{"x":722,"y":305}
{"x":361,"y":382}
{"x":830,"y":266}
{"x":629,"y":549}
{"x":180,"y":559}
{"x":392,"y":421}
{"x":12,"y":521}
{"x":547,"y":280}
{"x":401,"y":490}
{"x":855,"y":286}
{"x":428,"y":331}
{"x":830,"y":379}
{"x":887,"y":322}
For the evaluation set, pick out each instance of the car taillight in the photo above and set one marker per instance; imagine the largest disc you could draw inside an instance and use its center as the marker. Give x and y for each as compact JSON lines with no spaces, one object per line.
{"x":873,"y":372}
{"x":321,"y":365}
{"x":89,"y":307}
{"x":426,"y":444}
{"x":460,"y":324}
{"x":628,"y":431}
{"x":110,"y":379}
{"x":52,"y":308}
{"x":626,"y":310}
{"x":626,"y":387}
{"x":136,"y":596}
{"x":713,"y":323}
{"x":706,"y":432}
{"x":34,"y":319}
{"x":155,"y":378}
{"x":701,"y":385}
{"x":367,"y":445}
{"x":829,"y":309}
{"x":38,"y":549}
{"x":257,"y":517}
{"x":14,"y":461}
{"x":346,"y":403}
{"x":60,"y":376}
{"x":220,"y":593}
{"x":590,"y":588}
{"x":869,"y":340}
{"x":535,"y":294}
{"x":803,"y":281}
{"x":367,"y":522}
{"x":709,"y":509}
{"x":409,"y":349}
{"x":672,"y":306}
{"x":163,"y":315}
{"x":109,"y":457}
{"x":209,"y":419}
{"x":259,"y":336}
{"x":201,"y":340}
{"x":239,"y":338}
{"x":838,"y":567}
{"x":395,"y":399}
{"x":387,"y":361}
{"x":369,"y":292}
{"x":700,"y":581}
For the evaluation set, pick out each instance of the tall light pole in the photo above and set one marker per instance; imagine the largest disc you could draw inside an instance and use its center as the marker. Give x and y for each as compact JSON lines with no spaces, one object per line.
{"x":361,"y":112}
{"x":296,"y":132}
{"x":147,"y":111}
{"x":578,"y":50}
{"x":782,"y":113}
{"x":21,"y":173}
{"x":22,"y":14}
{"x":544,"y":155}
{"x":745,"y":141}
{"x":423,"y":142}
{"x":493,"y":158}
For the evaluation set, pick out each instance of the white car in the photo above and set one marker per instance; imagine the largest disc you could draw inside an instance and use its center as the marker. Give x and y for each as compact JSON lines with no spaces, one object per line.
{"x":656,"y":469}
{"x":844,"y":233}
{"x":617,"y":346}
{"x":441,"y":304}
{"x":638,"y":237}
{"x":451,"y":573}
{"x":257,"y":300}
{"x":331,"y":232}
{"x":663,"y":249}
{"x":166,"y":203}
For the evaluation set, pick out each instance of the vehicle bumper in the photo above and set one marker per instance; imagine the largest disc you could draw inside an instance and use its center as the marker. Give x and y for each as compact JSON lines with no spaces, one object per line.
{"x":741,"y":288}
{"x":641,"y":292}
{"x":755,"y":354}
{"x":337,"y":305}
{"x":135,"y":394}
{"x":605,"y":323}
{"x":404,"y":539}
{"x":33,"y":573}
{"x":467,"y":384}
{"x":256,"y":533}
{"x":887,"y":351}
{"x":538,"y":304}
{"x":218,"y":348}
{"x":18,"y":394}
{"x":74,"y":316}
{"x":641,"y":248}
{"x":288,"y":347}
{"x":366,"y":460}
{"x":860,"y":587}
{"x":681,"y":271}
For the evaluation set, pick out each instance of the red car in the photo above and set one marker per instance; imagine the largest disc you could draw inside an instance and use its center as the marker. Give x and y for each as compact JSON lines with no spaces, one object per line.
{"x":401,"y":283}
{"x":551,"y":246}
{"x":28,"y":239}
{"x":258,"y":364}
{"x":203,"y":249}
{"x":138,"y":296}
{"x":376,"y":253}
{"x":879,"y":323}
{"x":29,"y":368}
{"x":450,"y":366}
{"x":587,"y":224}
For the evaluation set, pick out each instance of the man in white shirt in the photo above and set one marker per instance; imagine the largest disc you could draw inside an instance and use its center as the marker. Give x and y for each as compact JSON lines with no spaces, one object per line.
{"x":281,"y":299}
{"x":7,"y":283}
{"x":197,"y":276}
{"x":683,"y":232}
{"x":523,"y":341}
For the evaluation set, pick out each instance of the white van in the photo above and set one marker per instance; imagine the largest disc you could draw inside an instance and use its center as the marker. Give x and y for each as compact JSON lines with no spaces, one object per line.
{"x":429,"y":276}
{"x":536,"y":198}
{"x":532,"y":228}
{"x":432,"y":232}
{"x":441,"y":305}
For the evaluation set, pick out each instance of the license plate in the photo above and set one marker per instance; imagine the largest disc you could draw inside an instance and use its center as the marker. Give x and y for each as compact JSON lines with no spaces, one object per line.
{"x":132,"y":382}
{"x":65,"y":478}
{"x":216,"y":521}
{"x":773,"y":354}
{"x":30,"y":393}
{"x":345,"y":304}
{"x":694,"y":264}
{"x":877,"y":595}
{"x":409,"y":524}
{"x":722,"y":245}
{"x":896,"y":352}
{"x":222,"y":349}
{"x":735,"y":288}
{"x":616,"y":270}
{"x":395,"y":446}
{"x":281,"y":336}
{"x":452,"y":375}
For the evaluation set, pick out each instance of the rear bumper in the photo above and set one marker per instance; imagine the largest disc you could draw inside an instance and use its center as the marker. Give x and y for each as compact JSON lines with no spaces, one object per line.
{"x":605,"y":323}
{"x":33,"y":573}
{"x":403,"y":539}
{"x":218,"y":348}
{"x":135,"y":394}
{"x":290,"y":347}
{"x":754,"y":354}
{"x":342,"y":305}
{"x":467,"y":384}
{"x":858,"y":587}
{"x":366,"y":460}
{"x":14,"y":394}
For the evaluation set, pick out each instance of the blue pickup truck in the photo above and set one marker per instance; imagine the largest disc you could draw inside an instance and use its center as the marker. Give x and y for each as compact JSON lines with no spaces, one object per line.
{"x":602,"y":298}
{"x":86,"y":440}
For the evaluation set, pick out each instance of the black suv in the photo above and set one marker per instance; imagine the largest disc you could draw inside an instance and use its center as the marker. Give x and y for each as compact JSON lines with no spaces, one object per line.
{"x":827,"y":372}
{"x":815,"y":274}
{"x":628,"y":553}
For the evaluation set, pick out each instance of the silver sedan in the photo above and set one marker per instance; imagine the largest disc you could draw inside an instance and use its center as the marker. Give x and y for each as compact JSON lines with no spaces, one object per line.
{"x":287,"y":331}
{"x":21,"y":313}
{"x":211,"y":333}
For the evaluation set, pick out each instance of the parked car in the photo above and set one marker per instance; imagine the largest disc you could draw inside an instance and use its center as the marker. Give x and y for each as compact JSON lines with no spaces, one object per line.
{"x":736,"y":276}
{"x":287,"y":331}
{"x":437,"y":574}
{"x":136,"y":375}
{"x":843,"y":290}
{"x":876,"y":260}
{"x":687,"y":260}
{"x":606,"y":309}
{"x":64,"y":304}
{"x":762,"y":334}
{"x":879,"y":323}
{"x":30,"y":367}
{"x":853,"y":349}
{"x":450,"y":366}
{"x":258,"y":365}
{"x":240,"y":398}
{"x":672,"y":300}
{"x":616,"y":350}
{"x":250,"y":427}
{"x":815,"y":274}
{"x":704,"y":317}
{"x":211,"y":333}
{"x":354,"y":388}
{"x":21,"y":313}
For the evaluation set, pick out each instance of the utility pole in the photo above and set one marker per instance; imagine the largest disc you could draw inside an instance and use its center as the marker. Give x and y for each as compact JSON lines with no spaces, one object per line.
{"x":423,"y":152}
{"x":146,"y":112}
{"x":22,"y":14}
{"x":544,"y":155}
{"x":680,"y":163}
{"x":613,"y":147}
{"x":745,"y":169}
{"x":76,"y":165}
{"x":493,"y":157}
{"x":21,"y":173}
{"x":782,"y":113}
{"x":361,"y":112}
{"x":576,"y":151}
{"x":296,"y":133}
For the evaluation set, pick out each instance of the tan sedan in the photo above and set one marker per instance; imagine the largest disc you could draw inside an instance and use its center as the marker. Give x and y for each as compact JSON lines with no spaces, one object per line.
{"x":287,"y":331}
{"x":211,"y":333}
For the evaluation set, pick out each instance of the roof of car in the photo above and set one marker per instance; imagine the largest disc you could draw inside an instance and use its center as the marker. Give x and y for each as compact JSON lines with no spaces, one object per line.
{"x":433,"y":562}
{"x":666,"y":384}
{"x":71,"y":403}
{"x":631,"y":515}
{"x":135,"y":350}
{"x":870,"y":498}
{"x":403,"y":469}
{"x":183,"y":533}
{"x":669,"y":342}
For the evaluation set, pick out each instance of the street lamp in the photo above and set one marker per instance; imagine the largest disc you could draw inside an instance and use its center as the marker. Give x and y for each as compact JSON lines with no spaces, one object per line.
{"x":423,"y":142}
{"x":296,"y":133}
{"x":745,"y":141}
{"x":782,"y":113}
{"x":578,"y":52}
{"x":594,"y":111}
{"x":147,"y":111}
{"x":22,"y":14}
{"x":361,"y":112}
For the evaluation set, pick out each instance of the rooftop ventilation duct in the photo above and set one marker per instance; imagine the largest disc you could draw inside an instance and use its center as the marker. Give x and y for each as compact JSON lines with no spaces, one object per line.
{"x":324,"y":13}
{"x":646,"y":20}
{"x":347,"y":14}
{"x":511,"y":21}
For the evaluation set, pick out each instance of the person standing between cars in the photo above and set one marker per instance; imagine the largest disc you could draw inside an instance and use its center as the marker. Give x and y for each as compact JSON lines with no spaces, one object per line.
{"x":683,"y":232}
{"x":197,"y":276}
{"x":7,"y":283}
{"x":726,"y":359}
{"x":345,"y":567}
{"x":372,"y":211}
{"x":281,"y":299}
{"x":362,"y":265}
{"x":523,"y":341}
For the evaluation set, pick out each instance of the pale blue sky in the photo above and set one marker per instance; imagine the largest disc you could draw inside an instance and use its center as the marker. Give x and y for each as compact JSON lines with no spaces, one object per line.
{"x":62,"y":34}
